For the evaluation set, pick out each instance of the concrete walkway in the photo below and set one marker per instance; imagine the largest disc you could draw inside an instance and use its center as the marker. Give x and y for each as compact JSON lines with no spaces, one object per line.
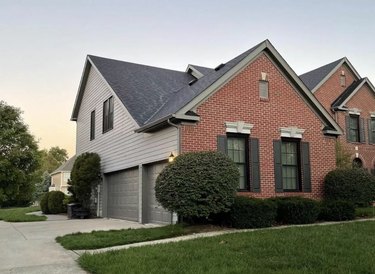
{"x":31,"y":247}
{"x":208,"y":234}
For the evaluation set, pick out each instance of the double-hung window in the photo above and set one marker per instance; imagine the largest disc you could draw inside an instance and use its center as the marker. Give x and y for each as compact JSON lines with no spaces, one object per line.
{"x":92,"y":125}
{"x":372,"y":130}
{"x":237,"y":151}
{"x":108,"y":115}
{"x":290,"y":165}
{"x":354,"y":130}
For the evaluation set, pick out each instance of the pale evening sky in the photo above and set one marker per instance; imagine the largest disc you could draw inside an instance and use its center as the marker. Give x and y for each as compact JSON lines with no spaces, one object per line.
{"x":44,"y":44}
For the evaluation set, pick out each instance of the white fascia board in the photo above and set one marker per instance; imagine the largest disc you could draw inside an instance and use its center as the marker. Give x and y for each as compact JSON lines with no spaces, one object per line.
{"x":344,"y":60}
{"x":114,"y":94}
{"x":79,"y":95}
{"x":222,"y":80}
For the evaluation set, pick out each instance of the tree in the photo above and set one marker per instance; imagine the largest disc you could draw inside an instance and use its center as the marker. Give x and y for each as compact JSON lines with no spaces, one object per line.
{"x":53,"y":158}
{"x":85,"y":176}
{"x":18,"y":158}
{"x":198,"y":184}
{"x":343,"y":159}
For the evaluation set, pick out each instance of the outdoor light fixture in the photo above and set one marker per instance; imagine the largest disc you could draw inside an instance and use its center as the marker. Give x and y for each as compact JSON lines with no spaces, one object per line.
{"x":171,"y":158}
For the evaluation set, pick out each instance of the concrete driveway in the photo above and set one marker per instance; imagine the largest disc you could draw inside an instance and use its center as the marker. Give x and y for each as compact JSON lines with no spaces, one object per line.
{"x":31,"y":247}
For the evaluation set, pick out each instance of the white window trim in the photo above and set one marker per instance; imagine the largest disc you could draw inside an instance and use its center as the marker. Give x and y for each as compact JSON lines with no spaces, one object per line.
{"x":372,"y":114}
{"x":291,"y":132}
{"x":238,"y":127}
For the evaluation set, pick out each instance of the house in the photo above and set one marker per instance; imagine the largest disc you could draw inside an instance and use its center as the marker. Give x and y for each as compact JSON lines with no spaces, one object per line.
{"x":254,"y":108}
{"x":60,"y":176}
{"x":350,"y":100}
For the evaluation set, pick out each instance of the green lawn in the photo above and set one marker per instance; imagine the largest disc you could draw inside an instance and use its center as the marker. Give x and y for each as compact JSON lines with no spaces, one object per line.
{"x":365,"y":212}
{"x":101,"y":239}
{"x":339,"y":248}
{"x":19,"y":214}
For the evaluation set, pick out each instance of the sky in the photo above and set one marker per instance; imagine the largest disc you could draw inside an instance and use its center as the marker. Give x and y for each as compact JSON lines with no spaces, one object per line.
{"x":43,"y":44}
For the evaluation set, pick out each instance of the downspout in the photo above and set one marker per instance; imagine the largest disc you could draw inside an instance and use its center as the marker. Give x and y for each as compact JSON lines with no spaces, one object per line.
{"x":178,"y":127}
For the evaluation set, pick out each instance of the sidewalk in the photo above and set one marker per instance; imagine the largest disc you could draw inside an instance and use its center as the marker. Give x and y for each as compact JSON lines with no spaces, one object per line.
{"x":208,"y":234}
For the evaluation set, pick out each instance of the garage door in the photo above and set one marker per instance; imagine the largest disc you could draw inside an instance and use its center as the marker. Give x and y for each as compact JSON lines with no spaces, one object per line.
{"x":153,"y":211}
{"x":123,"y":195}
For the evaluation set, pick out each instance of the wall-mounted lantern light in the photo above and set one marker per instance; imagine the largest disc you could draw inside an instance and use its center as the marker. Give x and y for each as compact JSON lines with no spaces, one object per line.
{"x":171,"y":157}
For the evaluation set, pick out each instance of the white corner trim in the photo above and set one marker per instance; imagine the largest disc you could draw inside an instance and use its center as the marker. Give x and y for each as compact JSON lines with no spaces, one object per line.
{"x":291,"y":132}
{"x":238,"y":127}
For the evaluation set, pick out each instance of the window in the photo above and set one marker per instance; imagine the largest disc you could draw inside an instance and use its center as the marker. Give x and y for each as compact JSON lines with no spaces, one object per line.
{"x":357,"y":163}
{"x":372,"y":130}
{"x":92,"y":125}
{"x":237,"y":151}
{"x":354,"y":128}
{"x":290,"y":165}
{"x":342,"y":80}
{"x":108,"y":115}
{"x":263,"y":89}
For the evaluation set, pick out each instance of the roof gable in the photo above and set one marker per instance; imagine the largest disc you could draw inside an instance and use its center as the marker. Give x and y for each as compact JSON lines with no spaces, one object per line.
{"x":154,"y":95}
{"x":349,"y":92}
{"x":67,"y":166}
{"x":317,"y":77}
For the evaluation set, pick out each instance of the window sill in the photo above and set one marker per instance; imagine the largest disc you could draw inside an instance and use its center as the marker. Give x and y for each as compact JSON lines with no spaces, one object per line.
{"x":108,"y":130}
{"x":264,"y":99}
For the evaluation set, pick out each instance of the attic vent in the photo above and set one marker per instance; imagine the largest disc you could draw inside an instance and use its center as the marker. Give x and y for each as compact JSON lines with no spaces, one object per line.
{"x":192,"y":82}
{"x":219,"y":67}
{"x":264,"y":76}
{"x":342,"y":72}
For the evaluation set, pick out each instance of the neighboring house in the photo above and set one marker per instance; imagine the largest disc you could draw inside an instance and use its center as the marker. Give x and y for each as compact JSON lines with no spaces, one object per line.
{"x":350,"y":100}
{"x":254,"y":108}
{"x":60,"y":176}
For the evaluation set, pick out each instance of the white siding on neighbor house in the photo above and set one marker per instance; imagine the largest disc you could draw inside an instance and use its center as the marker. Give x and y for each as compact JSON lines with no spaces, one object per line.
{"x":121,"y":147}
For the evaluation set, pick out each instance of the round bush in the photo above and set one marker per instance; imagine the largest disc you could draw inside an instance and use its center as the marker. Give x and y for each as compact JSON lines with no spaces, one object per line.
{"x":337,"y":211}
{"x":252,"y":213}
{"x":44,"y":203}
{"x":296,"y":210}
{"x":55,"y":202}
{"x":353,"y":185}
{"x":198,"y":184}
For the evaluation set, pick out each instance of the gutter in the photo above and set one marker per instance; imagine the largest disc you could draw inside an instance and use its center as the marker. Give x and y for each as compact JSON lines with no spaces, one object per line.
{"x":167,"y":121}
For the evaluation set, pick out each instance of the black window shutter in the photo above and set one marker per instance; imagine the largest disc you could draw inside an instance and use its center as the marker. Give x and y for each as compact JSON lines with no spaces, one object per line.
{"x":362,"y":136}
{"x":306,"y":169}
{"x":255,"y":166}
{"x":222,"y":143}
{"x":347,"y":128}
{"x":370,"y":141}
{"x":277,"y":165}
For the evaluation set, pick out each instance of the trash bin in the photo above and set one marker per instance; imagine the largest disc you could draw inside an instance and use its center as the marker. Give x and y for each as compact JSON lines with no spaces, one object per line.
{"x":71,"y":208}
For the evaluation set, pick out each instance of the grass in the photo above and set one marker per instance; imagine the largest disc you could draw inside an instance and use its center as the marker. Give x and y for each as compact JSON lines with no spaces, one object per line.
{"x":339,"y":248}
{"x":18,"y":214}
{"x":101,"y":239}
{"x":365,"y":212}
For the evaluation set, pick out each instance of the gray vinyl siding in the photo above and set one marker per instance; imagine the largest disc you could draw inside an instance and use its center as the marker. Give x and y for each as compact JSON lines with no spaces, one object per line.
{"x":119,"y":148}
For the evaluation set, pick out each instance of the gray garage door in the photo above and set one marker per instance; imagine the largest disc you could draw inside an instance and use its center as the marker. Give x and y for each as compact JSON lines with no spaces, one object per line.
{"x":123,"y":195}
{"x":152,"y":211}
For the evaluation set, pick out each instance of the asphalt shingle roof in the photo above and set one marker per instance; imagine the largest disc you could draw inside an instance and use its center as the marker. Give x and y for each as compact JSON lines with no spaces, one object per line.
{"x":151,"y":93}
{"x":142,"y":89}
{"x":346,"y":93}
{"x":312,"y":78}
{"x":67,"y":166}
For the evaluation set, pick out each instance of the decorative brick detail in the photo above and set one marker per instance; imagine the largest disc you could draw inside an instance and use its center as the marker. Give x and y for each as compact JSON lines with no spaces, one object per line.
{"x":238,"y":100}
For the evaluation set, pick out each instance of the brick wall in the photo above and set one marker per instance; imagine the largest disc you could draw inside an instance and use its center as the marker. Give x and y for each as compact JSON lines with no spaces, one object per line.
{"x":331,"y":89}
{"x":364,"y":100}
{"x":238,"y":100}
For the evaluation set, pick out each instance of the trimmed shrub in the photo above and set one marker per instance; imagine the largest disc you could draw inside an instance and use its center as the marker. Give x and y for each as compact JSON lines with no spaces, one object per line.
{"x":337,"y":211}
{"x":55,"y":202}
{"x":85,"y":176}
{"x":44,"y":203}
{"x":198,"y":184}
{"x":352,"y":185}
{"x":252,"y":213}
{"x":296,"y":210}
